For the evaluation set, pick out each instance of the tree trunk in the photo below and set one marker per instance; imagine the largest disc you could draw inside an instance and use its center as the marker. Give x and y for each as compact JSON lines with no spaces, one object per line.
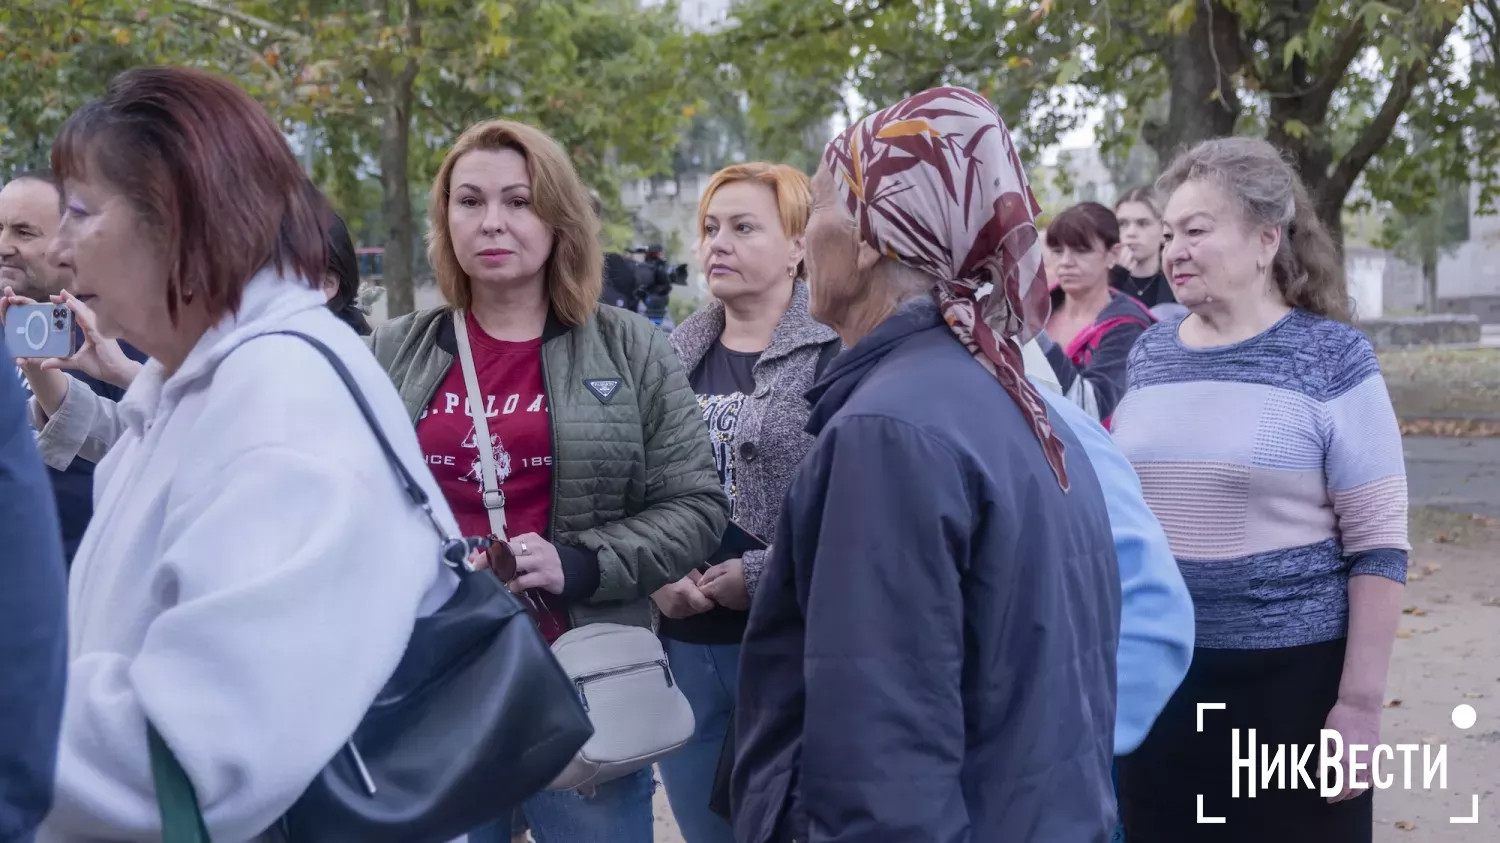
{"x":1430,"y":283}
{"x":395,"y":147}
{"x":395,"y":203}
{"x":1203,"y":102}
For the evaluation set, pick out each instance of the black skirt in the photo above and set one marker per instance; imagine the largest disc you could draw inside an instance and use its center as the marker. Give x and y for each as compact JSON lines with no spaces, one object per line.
{"x":1285,"y":696}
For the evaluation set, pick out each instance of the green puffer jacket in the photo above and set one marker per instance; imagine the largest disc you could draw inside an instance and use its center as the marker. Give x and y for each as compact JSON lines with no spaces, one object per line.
{"x":635,"y":493}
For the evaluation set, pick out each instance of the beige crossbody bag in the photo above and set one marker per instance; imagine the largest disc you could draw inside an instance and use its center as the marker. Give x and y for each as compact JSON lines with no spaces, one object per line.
{"x":620,"y":671}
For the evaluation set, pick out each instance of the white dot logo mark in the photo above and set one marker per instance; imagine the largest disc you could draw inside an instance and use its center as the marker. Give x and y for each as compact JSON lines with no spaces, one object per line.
{"x":1464,"y":716}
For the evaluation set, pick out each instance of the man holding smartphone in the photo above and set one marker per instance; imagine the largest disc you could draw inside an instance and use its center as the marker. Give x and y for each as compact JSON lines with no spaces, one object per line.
{"x":30,"y":211}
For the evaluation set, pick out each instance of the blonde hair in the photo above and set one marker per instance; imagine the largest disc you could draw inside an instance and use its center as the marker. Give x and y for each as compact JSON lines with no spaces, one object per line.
{"x":791,"y":187}
{"x":575,"y":270}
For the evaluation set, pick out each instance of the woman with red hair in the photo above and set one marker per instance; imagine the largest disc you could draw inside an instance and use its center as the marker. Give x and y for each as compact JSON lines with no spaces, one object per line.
{"x":751,"y":353}
{"x":250,"y":534}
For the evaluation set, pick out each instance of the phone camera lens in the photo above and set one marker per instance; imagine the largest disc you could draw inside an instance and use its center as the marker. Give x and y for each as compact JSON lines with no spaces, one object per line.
{"x":58,"y":324}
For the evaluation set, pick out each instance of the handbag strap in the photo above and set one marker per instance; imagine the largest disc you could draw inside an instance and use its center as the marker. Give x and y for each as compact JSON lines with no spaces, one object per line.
{"x":494,"y":499}
{"x":455,"y":551}
{"x":176,"y":801}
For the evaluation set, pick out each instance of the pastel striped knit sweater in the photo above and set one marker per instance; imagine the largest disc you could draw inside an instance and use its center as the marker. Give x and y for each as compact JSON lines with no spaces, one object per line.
{"x":1275,"y":466}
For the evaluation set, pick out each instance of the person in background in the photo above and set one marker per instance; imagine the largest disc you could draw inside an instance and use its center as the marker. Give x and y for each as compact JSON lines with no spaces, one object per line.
{"x":29,"y":216}
{"x":341,"y":283}
{"x":77,"y":427}
{"x":250,"y":531}
{"x":1092,"y":327}
{"x":33,"y":626}
{"x":1266,"y":443}
{"x":752,"y":353}
{"x":1138,"y":273}
{"x":931,"y":650}
{"x":608,"y":483}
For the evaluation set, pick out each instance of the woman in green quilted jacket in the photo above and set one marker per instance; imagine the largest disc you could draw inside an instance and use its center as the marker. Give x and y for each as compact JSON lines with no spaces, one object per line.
{"x":606,"y":483}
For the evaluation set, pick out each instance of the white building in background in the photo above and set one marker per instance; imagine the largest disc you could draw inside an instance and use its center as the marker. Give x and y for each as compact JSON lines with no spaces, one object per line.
{"x":1082,"y":171}
{"x":1474,"y":268}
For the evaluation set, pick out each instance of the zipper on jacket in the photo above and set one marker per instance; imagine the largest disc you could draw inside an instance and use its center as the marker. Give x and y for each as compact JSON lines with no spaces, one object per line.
{"x":580,"y":681}
{"x":556,"y":462}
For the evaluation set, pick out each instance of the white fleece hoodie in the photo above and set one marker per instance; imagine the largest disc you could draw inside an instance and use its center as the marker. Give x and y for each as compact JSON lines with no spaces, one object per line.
{"x":249,"y":580}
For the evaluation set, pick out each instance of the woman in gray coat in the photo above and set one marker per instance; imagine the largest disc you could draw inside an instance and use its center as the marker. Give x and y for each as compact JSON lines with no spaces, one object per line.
{"x":750,"y":353}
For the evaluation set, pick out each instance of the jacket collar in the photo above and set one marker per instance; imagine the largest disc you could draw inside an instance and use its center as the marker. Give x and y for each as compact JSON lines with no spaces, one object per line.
{"x":848,"y":370}
{"x":796,"y":330}
{"x":447,"y":339}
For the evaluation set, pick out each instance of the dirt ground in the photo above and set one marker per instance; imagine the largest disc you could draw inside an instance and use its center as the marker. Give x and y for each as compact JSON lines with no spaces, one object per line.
{"x":1447,"y":654}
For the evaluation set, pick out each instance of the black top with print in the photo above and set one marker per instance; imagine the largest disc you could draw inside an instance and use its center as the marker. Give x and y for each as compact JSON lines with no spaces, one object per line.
{"x":722,"y":381}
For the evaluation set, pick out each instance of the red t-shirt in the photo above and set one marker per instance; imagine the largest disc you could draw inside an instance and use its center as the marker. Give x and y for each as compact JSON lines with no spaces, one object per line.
{"x":515,"y":404}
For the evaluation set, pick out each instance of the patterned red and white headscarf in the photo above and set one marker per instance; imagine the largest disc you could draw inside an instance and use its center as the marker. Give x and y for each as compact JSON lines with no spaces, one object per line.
{"x":934,"y":182}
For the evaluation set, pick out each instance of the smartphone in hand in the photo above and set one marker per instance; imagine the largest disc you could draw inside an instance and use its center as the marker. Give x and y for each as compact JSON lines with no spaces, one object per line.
{"x":40,"y":330}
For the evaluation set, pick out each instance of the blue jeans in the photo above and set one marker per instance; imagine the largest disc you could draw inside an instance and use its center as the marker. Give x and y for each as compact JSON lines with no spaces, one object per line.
{"x":708,"y":675}
{"x":617,"y":812}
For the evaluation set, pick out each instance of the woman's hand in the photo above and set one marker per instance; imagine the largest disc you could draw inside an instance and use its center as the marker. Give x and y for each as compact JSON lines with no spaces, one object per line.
{"x":724,"y":584}
{"x":100,"y":357}
{"x":537,"y":565}
{"x":682,"y":599}
{"x":49,"y":385}
{"x":1357,"y":724}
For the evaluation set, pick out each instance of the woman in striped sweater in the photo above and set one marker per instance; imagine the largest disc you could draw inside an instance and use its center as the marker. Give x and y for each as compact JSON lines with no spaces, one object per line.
{"x":1266,"y":444}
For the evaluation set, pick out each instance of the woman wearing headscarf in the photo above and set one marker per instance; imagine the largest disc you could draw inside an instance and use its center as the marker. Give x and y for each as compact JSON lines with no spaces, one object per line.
{"x":931,"y":652}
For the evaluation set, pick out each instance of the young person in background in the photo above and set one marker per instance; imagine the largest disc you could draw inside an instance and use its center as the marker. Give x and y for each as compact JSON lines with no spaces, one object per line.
{"x":752,"y":352}
{"x":1138,"y":273}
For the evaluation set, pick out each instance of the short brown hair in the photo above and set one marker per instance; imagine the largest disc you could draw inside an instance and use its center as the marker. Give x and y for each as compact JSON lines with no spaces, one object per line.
{"x":575,"y":269}
{"x":1084,"y":227}
{"x":791,"y":187}
{"x":209,"y":172}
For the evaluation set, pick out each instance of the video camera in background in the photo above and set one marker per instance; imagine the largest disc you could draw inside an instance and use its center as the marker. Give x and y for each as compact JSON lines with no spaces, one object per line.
{"x":642,"y":281}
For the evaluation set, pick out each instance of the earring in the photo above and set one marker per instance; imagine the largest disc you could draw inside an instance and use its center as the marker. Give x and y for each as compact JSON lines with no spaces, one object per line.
{"x":791,"y":271}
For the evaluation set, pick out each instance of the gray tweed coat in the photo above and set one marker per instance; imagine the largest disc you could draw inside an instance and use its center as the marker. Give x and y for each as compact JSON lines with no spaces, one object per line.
{"x":770,"y":438}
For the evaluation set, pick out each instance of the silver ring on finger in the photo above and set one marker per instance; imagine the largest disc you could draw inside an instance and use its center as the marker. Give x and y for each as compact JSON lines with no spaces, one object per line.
{"x":524,"y":549}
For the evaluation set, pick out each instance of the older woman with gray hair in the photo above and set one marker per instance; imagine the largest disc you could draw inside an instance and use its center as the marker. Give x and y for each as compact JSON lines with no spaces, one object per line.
{"x":1282,"y":489}
{"x":931,"y":654}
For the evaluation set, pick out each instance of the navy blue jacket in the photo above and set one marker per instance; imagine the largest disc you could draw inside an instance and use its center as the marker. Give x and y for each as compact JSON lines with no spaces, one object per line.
{"x":33,"y":629}
{"x":931,"y":653}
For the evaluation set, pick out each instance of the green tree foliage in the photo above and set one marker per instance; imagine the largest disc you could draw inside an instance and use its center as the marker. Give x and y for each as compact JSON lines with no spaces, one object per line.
{"x":1338,"y":85}
{"x":372,"y":92}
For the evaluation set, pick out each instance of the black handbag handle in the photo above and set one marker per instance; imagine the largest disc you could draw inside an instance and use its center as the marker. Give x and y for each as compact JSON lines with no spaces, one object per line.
{"x":456,"y":551}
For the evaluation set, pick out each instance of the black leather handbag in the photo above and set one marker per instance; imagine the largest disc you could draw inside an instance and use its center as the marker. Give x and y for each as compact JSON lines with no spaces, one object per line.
{"x":477,"y":717}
